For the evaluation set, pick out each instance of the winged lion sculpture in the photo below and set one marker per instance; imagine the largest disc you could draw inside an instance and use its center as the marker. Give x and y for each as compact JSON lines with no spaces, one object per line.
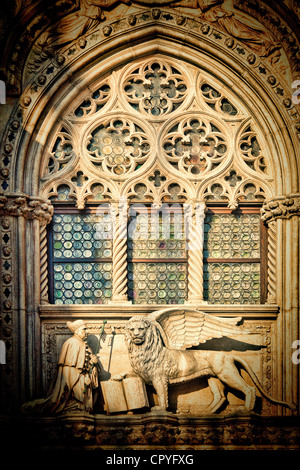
{"x":159,"y":351}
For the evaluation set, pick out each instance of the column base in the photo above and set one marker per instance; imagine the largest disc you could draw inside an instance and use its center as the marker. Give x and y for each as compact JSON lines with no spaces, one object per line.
{"x":195,"y":300}
{"x":120,"y":302}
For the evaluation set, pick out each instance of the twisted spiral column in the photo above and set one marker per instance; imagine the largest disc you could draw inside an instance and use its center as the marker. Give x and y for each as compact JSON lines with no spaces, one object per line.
{"x":43,"y":264}
{"x":119,"y":258}
{"x":194,"y":223}
{"x":272,"y":246}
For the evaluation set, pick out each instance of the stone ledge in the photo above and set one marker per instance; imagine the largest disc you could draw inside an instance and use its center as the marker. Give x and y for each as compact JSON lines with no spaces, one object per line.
{"x":83,"y":431}
{"x":117,"y":311}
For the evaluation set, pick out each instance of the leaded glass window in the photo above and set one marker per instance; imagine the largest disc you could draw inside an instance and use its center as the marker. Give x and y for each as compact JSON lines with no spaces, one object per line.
{"x":153,"y":131}
{"x":157,"y":257}
{"x":80,"y":261}
{"x":81,"y":256}
{"x":233,"y":257}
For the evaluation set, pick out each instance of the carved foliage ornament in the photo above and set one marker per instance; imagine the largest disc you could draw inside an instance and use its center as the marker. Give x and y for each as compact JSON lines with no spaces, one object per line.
{"x":30,"y":208}
{"x":195,"y":145}
{"x":281,"y":208}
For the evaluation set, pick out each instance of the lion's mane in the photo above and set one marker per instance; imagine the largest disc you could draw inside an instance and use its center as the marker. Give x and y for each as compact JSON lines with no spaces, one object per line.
{"x":147,"y":358}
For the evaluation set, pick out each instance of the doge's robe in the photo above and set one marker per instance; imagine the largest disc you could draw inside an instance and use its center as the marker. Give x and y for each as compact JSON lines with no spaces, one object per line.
{"x":76,"y":381}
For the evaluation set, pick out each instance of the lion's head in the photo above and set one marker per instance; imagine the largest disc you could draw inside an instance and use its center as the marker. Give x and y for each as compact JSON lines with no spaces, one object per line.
{"x":144,"y":346}
{"x":137,"y":330}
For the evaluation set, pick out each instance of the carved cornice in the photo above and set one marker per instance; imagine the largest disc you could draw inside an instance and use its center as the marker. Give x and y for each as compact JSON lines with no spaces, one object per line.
{"x":282,"y":207}
{"x":150,"y":431}
{"x":22,"y":205}
{"x":35,"y":21}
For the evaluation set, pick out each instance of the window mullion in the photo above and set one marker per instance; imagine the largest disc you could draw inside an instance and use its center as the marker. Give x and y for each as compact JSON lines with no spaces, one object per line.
{"x":120,"y":249}
{"x":194,"y":226}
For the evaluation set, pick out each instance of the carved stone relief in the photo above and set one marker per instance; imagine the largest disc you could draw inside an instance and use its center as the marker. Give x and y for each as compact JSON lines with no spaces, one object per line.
{"x":234,"y":22}
{"x":55,"y":62}
{"x":123,"y":349}
{"x":156,"y":88}
{"x":140,"y":144}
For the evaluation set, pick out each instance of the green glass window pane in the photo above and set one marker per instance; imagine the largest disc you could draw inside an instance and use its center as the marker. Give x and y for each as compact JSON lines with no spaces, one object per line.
{"x":82,"y":283}
{"x":231,"y":283}
{"x":82,"y":236}
{"x":155,"y":289}
{"x":232,"y":236}
{"x":156,"y":237}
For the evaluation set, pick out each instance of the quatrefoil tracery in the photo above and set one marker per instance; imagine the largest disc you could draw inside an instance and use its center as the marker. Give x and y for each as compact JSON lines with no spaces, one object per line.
{"x":157,"y":112}
{"x":195,"y":145}
{"x":155,"y":88}
{"x":118,"y":146}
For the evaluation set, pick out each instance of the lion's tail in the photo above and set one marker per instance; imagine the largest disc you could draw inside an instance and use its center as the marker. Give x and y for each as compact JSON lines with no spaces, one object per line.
{"x":257,"y":382}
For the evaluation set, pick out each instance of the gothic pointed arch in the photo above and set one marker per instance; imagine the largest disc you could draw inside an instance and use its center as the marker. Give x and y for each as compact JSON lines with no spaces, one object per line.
{"x":184,"y":108}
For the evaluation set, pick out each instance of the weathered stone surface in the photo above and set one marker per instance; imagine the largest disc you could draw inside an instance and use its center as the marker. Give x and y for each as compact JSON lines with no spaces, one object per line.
{"x":82,"y":431}
{"x":72,"y":68}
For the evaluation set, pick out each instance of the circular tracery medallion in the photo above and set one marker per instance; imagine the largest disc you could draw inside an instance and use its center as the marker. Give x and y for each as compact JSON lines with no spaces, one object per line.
{"x":155,"y":88}
{"x":194,"y":144}
{"x":118,"y":145}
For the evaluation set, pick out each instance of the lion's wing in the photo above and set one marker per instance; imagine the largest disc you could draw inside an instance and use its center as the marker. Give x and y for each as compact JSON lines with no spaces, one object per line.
{"x":184,"y":328}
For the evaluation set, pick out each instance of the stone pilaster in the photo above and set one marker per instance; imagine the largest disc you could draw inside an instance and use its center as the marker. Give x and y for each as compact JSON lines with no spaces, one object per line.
{"x":25,"y":266}
{"x":282,"y":216}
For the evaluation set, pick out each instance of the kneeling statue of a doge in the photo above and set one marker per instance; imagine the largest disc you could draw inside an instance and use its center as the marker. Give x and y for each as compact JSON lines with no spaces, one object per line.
{"x":158,"y":350}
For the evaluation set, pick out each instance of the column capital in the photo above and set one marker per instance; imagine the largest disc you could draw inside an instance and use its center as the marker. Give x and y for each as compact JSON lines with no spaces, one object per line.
{"x":30,"y":207}
{"x":281,"y":207}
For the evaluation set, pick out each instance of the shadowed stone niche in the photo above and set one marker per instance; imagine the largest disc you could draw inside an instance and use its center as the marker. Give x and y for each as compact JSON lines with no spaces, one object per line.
{"x":142,"y":384}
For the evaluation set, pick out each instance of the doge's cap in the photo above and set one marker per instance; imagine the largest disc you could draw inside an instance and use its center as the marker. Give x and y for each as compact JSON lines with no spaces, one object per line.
{"x":73,"y":326}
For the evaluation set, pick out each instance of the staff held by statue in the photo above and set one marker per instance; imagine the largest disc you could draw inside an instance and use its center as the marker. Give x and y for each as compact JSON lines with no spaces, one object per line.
{"x":93,"y":364}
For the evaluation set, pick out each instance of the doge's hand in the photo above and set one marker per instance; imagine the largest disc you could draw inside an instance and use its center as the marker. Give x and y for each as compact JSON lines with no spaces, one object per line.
{"x":87,"y":380}
{"x":119,"y":377}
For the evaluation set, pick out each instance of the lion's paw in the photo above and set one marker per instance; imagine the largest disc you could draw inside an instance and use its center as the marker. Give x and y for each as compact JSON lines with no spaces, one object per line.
{"x":159,"y":409}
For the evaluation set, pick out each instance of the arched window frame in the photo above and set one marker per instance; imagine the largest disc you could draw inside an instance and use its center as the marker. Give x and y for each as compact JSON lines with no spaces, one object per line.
{"x":241,"y":180}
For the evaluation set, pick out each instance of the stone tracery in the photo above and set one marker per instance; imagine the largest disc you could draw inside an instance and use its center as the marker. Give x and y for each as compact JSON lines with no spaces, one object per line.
{"x":246,"y":176}
{"x":156,"y":88}
{"x":196,"y":144}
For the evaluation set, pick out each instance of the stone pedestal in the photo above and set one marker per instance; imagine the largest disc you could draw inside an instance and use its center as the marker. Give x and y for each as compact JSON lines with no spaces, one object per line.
{"x":154,"y":431}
